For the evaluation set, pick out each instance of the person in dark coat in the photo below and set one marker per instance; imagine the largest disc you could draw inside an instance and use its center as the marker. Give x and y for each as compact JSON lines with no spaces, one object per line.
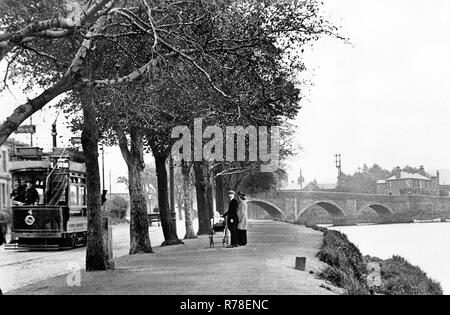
{"x":232,"y":218}
{"x":18,"y":194}
{"x":31,"y":195}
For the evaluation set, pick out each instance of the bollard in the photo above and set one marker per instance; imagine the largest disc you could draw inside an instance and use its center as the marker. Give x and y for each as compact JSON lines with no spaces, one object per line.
{"x":108,"y":239}
{"x":300,"y":263}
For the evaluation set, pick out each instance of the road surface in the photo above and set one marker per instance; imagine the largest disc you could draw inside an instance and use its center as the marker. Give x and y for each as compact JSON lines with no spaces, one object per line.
{"x":21,"y":268}
{"x":266,"y":266}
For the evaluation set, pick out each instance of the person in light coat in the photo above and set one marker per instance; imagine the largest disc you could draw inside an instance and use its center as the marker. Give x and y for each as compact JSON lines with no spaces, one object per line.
{"x":243,"y":219}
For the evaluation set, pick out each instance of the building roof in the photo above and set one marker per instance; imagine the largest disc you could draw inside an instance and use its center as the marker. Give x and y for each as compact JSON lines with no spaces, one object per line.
{"x":316,"y":186}
{"x":326,"y":186}
{"x":381,"y":181}
{"x":405,"y":175}
{"x":290,"y":185}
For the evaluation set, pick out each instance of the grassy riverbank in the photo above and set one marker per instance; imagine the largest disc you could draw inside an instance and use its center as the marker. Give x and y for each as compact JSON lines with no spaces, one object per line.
{"x":348,"y":269}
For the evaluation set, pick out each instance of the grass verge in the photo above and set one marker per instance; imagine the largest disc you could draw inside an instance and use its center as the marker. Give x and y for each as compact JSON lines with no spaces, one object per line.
{"x":347,"y":269}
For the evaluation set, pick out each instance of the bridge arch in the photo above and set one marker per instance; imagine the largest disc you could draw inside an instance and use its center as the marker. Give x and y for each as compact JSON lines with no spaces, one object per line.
{"x":273,"y":210}
{"x":379,"y":208}
{"x":329,"y":206}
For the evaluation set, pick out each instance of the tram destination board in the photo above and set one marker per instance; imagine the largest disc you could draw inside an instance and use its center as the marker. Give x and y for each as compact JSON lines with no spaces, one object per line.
{"x":26,"y":129}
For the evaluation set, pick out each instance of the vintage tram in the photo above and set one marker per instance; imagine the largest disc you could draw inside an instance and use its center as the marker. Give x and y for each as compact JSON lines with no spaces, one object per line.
{"x":58,"y":217}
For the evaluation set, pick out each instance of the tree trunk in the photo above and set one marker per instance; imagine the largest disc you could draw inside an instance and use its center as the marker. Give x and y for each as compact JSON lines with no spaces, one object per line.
{"x":169,"y":231}
{"x":139,"y":234}
{"x":97,"y":246}
{"x":201,"y":188}
{"x":180,"y":205}
{"x":210,"y":198}
{"x":220,"y":193}
{"x":187,"y":202}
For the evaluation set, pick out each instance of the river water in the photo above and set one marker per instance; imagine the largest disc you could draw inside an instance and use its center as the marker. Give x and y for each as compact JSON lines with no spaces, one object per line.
{"x":425,"y":245}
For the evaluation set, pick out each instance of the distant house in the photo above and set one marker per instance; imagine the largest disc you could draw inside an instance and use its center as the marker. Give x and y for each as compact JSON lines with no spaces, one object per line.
{"x":290,"y":185}
{"x":381,"y":187}
{"x":404,"y":183}
{"x":314,"y":186}
{"x":444,"y":190}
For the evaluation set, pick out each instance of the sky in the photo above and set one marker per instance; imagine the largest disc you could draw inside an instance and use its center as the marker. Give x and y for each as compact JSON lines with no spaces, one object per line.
{"x":382,"y":98}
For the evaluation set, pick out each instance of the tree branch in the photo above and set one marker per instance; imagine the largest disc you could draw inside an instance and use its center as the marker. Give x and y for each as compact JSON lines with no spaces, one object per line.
{"x":42,"y":28}
{"x":24,"y":111}
{"x":123,"y":144}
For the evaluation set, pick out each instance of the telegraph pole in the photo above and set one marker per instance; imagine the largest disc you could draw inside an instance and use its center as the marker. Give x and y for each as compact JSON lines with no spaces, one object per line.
{"x":338,"y":162}
{"x":31,"y":135}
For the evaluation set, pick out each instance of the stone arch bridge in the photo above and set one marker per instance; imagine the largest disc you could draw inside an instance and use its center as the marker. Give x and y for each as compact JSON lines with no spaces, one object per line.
{"x":290,"y":205}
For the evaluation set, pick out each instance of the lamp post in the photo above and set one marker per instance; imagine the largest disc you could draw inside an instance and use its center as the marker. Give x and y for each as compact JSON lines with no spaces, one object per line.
{"x":104,"y":191}
{"x":339,"y":167}
{"x":172,"y":192}
{"x":31,"y":134}
{"x":54,"y":134}
{"x":301,"y":180}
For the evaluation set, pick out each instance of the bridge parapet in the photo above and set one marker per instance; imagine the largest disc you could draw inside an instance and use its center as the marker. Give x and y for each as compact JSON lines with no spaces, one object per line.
{"x":294,"y":203}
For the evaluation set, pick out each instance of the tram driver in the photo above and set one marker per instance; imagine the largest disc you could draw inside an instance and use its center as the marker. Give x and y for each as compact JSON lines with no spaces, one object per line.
{"x":31,"y":195}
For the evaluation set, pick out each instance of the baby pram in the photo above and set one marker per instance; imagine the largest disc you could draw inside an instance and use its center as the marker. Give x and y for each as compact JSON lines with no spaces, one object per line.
{"x":219,"y":226}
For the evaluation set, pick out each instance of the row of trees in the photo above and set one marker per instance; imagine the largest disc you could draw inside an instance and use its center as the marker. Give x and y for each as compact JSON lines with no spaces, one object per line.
{"x":131,"y":70}
{"x":365,"y":180}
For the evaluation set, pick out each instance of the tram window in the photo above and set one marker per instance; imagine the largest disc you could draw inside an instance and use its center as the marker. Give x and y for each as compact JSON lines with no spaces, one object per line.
{"x":3,"y":201}
{"x":82,"y":196}
{"x":8,"y":193}
{"x":41,"y":195}
{"x":38,"y":179}
{"x":74,"y":195}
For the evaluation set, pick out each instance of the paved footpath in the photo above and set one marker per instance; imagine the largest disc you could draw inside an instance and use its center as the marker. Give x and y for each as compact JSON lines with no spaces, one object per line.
{"x":264,"y":266}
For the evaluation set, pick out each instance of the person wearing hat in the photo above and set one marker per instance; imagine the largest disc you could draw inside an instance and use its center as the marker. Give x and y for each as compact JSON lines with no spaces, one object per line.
{"x":243,"y":219}
{"x":232,"y":218}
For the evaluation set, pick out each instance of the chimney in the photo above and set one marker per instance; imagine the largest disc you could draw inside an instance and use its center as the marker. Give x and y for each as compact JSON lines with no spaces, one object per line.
{"x":422,"y":170}
{"x":398,"y":172}
{"x":438,"y":175}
